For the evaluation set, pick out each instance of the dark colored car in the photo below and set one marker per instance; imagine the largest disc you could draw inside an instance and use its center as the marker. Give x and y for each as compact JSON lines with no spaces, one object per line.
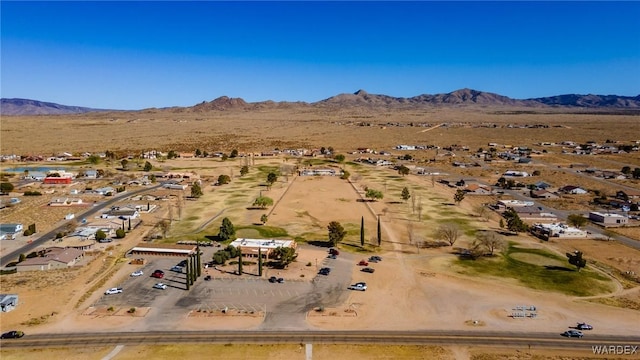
{"x":573,"y":333}
{"x":375,"y":258}
{"x":15,"y":334}
{"x":334,"y":252}
{"x":158,"y":274}
{"x":324,"y":271}
{"x":273,"y":279}
{"x":368,"y":270}
{"x":363,"y":263}
{"x":207,"y":278}
{"x":182,"y":263}
{"x":584,"y":326}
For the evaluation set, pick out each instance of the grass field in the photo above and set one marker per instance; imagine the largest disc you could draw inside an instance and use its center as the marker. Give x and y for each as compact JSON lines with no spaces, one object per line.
{"x":541,"y":270}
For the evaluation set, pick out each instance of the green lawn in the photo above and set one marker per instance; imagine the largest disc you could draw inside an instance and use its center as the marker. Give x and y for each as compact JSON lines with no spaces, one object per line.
{"x":563,"y":279}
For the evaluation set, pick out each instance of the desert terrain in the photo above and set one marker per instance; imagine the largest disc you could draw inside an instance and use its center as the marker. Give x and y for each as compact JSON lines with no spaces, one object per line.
{"x":413,"y":288}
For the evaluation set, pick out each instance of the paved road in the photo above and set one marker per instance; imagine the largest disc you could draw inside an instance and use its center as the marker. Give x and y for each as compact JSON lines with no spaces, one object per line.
{"x":523,"y":341}
{"x":13,"y":256}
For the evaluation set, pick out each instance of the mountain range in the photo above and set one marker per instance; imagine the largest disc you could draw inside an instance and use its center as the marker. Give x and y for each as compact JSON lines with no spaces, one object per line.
{"x":462,"y":97}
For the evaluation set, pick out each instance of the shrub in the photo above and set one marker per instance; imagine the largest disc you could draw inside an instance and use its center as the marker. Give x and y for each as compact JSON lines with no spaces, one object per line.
{"x":27,"y":232}
{"x":32,"y":193}
{"x":110,"y":308}
{"x":132,"y":310}
{"x":120,"y":233}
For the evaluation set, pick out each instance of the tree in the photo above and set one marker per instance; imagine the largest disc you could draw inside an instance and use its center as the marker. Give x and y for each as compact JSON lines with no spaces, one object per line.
{"x":636,"y":173}
{"x":227,"y":231}
{"x":459,"y":196}
{"x":198,"y":153}
{"x":240,"y":262}
{"x":147,"y":166}
{"x":6,"y":187}
{"x":362,"y":231}
{"x":196,"y":190}
{"x":339,"y":157}
{"x":120,"y":233}
{"x":234,"y":153}
{"x":323,"y":150}
{"x":224,"y":157}
{"x":626,"y":170}
{"x":374,"y":194}
{"x":514,"y":223}
{"x":407,"y":157}
{"x":244,"y":170}
{"x":22,"y":258}
{"x":345,"y":175}
{"x":263,"y":201}
{"x":535,"y":173}
{"x":100,"y":235}
{"x":483,"y":212}
{"x":124,"y":163}
{"x":336,"y":233}
{"x":94,"y":159}
{"x":172,"y":154}
{"x":224,"y":179}
{"x":164,"y":226}
{"x":491,"y":241}
{"x":576,"y":220}
{"x":403,"y":170}
{"x":406,"y":195}
{"x":576,"y":259}
{"x":264,"y":218}
{"x":271,"y":179}
{"x":284,"y":255}
{"x":501,"y":224}
{"x":449,"y":233}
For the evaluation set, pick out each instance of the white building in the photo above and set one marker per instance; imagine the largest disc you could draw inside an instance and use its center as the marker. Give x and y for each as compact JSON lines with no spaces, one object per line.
{"x":250,"y":247}
{"x":558,"y":230}
{"x":608,"y":219}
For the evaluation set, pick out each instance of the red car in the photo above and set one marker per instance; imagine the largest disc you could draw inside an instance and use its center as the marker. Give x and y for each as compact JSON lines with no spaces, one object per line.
{"x":363,"y":263}
{"x":158,"y":274}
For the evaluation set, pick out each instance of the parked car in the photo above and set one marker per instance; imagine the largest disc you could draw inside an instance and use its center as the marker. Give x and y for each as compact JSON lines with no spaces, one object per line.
{"x":182,"y":263}
{"x":160,"y":286}
{"x":573,"y":333}
{"x":14,"y":334}
{"x":368,"y":270}
{"x":375,"y":258}
{"x":177,"y":268}
{"x":584,"y":326}
{"x":324,"y":271}
{"x":207,"y":278}
{"x":358,"y":286}
{"x":113,"y":291}
{"x":280,"y":280}
{"x":332,"y":256}
{"x":273,"y":279}
{"x":363,"y":263}
{"x":137,"y":273}
{"x":334,"y":251}
{"x":158,"y":274}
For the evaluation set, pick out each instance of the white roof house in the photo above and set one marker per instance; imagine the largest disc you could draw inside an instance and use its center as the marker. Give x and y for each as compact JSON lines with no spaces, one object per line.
{"x":250,"y":247}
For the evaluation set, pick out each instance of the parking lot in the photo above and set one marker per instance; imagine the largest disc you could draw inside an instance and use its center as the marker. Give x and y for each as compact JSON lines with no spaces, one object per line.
{"x":295,"y":296}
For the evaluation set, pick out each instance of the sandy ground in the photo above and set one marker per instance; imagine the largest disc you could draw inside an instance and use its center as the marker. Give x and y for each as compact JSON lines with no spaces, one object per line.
{"x":410,"y":289}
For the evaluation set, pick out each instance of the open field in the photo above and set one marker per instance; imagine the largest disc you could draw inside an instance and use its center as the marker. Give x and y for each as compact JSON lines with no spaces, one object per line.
{"x":412,"y":288}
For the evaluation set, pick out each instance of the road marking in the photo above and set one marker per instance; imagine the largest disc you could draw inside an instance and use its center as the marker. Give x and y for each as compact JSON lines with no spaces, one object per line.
{"x":308,"y":351}
{"x":113,"y":352}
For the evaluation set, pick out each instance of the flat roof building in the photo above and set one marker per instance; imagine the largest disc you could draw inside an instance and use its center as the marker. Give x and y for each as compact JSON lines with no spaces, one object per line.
{"x":250,"y":247}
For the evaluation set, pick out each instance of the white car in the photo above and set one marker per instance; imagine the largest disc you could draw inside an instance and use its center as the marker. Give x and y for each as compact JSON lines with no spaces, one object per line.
{"x":113,"y":291}
{"x":137,"y":273}
{"x":160,"y":286}
{"x":358,"y":286}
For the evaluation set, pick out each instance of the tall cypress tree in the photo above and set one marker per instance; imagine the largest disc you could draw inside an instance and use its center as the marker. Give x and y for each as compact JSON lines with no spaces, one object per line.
{"x":198,"y":261}
{"x":362,"y":232}
{"x":188,"y":281}
{"x":379,"y":232}
{"x":260,"y":262}
{"x":239,"y":261}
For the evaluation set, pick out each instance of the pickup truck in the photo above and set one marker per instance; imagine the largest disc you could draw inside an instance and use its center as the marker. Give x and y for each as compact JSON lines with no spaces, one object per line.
{"x":358,"y":286}
{"x":113,"y":291}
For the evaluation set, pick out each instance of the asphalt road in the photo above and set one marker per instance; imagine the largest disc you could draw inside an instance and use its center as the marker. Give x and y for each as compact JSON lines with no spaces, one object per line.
{"x":13,"y":256}
{"x":469,"y":338}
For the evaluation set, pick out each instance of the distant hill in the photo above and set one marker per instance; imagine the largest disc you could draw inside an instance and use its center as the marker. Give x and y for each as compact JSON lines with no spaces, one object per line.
{"x":34,"y":107}
{"x":464,"y":97}
{"x":361,"y":98}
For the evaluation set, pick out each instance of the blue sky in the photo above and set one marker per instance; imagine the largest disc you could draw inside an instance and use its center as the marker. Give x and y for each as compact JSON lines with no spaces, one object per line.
{"x":135,"y":55}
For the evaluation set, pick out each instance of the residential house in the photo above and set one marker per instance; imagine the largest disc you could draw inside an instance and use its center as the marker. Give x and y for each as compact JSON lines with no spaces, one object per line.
{"x":55,"y":180}
{"x":121,"y":213}
{"x":10,"y":231}
{"x":573,"y":190}
{"x":542,"y":194}
{"x":628,"y":195}
{"x":108,"y":190}
{"x":558,"y":230}
{"x":54,"y":258}
{"x":478,"y":189}
{"x":608,"y":219}
{"x":534,"y":213}
{"x":541,"y":185}
{"x":514,"y":173}
{"x":65,"y":202}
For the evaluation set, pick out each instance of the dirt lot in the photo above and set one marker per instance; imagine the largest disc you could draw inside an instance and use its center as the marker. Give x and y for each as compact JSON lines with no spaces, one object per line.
{"x":427,"y":291}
